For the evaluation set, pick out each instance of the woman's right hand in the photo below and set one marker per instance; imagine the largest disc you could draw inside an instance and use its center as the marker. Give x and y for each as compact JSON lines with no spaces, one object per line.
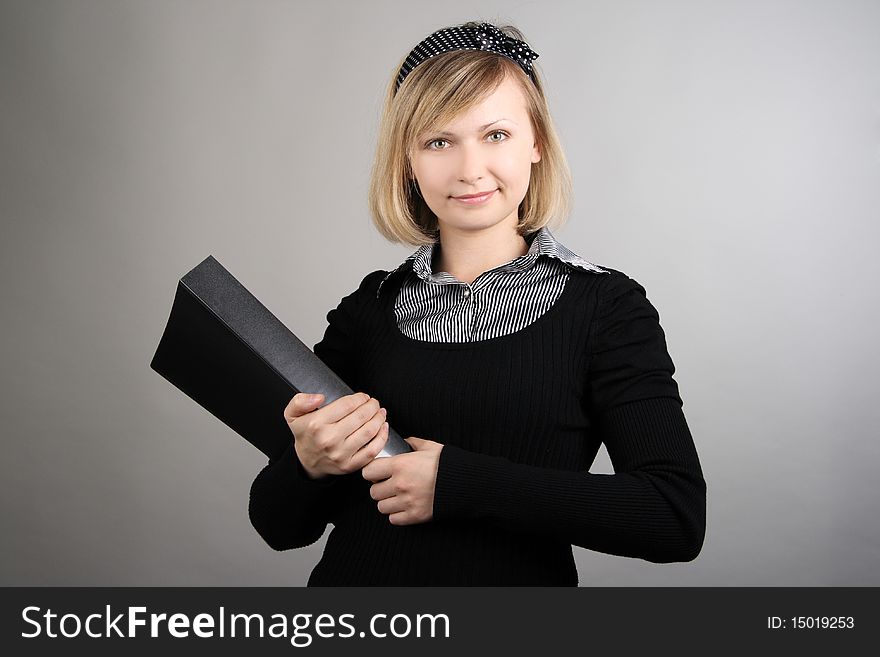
{"x":339,"y":438}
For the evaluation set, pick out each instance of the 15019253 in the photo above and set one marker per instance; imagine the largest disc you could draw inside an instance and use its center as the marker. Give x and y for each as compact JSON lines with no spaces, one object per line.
{"x":810,"y":623}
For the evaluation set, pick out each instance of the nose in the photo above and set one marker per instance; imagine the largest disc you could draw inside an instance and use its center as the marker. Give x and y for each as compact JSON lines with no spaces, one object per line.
{"x":472,"y":164}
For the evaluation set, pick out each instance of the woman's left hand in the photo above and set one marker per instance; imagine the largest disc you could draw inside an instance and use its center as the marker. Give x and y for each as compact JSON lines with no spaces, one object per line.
{"x":404,"y":484}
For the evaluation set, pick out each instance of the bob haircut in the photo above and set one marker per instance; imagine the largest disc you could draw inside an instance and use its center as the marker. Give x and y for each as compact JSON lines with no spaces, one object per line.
{"x":431,"y":96}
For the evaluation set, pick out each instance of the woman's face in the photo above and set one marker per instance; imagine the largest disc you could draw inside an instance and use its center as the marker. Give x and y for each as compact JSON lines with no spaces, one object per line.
{"x":490,"y":148}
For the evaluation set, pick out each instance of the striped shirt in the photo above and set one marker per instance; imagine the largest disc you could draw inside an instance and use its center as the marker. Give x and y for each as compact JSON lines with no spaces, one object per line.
{"x":440,"y":308}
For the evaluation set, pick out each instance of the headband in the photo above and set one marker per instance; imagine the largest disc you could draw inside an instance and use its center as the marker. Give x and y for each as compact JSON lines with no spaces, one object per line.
{"x":471,"y":36}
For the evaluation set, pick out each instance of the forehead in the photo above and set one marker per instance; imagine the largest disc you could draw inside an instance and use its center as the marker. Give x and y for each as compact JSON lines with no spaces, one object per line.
{"x":507,"y":101}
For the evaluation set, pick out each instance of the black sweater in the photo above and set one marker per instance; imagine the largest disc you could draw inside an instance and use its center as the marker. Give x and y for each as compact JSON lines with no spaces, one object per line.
{"x":521,"y":418}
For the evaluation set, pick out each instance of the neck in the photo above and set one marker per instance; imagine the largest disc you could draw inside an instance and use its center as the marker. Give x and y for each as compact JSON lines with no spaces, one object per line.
{"x":467,"y":255}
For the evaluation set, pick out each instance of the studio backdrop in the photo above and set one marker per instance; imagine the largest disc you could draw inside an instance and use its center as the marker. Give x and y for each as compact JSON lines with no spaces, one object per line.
{"x":724,"y":154}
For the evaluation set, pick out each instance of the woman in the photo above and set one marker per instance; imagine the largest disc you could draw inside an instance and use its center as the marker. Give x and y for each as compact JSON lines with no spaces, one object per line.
{"x":505,"y":357}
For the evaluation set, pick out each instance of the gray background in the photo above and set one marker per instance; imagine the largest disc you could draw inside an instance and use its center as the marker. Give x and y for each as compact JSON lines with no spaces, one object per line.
{"x":725,"y":155}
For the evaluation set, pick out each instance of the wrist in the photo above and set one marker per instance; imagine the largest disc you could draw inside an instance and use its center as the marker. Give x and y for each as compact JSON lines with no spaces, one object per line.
{"x":315,"y":475}
{"x":309,"y":472}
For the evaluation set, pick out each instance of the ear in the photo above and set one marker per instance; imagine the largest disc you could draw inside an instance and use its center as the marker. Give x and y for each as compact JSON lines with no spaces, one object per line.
{"x":536,"y":153}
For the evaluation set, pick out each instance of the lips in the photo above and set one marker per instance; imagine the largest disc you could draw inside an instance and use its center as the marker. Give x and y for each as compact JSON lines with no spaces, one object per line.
{"x":478,"y":195}
{"x":475,"y":201}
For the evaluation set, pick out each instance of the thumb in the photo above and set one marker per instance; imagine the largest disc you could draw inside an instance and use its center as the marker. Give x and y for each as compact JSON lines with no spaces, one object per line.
{"x":416,"y":443}
{"x":306,"y":400}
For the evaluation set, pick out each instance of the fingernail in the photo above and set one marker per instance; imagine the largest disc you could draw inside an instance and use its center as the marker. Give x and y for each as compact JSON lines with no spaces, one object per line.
{"x":385,"y":426}
{"x":384,"y":412}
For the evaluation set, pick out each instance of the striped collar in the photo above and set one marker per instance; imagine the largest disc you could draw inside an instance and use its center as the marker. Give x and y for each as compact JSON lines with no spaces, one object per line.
{"x":543,"y":243}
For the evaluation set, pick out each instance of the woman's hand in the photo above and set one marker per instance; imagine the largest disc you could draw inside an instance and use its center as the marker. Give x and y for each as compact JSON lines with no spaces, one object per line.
{"x":405,"y":482}
{"x":339,"y":438}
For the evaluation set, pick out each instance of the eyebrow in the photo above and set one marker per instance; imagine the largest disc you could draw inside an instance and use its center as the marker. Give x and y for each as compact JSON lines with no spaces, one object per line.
{"x":480,"y":129}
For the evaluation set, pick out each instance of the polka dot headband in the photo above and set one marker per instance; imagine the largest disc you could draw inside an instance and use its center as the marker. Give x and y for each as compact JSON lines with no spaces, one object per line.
{"x":471,"y":36}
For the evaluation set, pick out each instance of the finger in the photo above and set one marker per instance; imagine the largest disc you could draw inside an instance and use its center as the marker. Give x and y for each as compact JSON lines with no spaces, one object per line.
{"x":378,"y":469}
{"x":302,"y":403}
{"x":358,"y":419}
{"x":400,"y":518}
{"x":371,"y":450}
{"x":391,"y":505}
{"x":344,"y":406}
{"x":361,"y":436}
{"x":382,"y":490}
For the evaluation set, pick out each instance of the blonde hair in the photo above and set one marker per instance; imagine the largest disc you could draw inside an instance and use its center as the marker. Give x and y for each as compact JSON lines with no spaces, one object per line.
{"x":433,"y":94}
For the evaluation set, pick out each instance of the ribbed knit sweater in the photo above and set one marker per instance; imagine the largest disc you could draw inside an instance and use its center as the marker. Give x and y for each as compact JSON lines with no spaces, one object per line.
{"x":521,"y":417}
{"x":436,"y":306}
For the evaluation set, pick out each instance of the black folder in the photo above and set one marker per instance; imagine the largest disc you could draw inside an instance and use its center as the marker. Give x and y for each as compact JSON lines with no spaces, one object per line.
{"x":228,"y":353}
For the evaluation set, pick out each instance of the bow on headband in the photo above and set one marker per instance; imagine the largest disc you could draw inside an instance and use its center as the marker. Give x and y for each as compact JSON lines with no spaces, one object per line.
{"x":494,"y":40}
{"x":481,"y":36}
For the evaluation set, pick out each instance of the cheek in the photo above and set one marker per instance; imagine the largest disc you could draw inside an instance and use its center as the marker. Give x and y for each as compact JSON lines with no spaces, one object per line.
{"x":432,"y":185}
{"x":517,"y":173}
{"x":517,"y":164}
{"x":429,"y":174}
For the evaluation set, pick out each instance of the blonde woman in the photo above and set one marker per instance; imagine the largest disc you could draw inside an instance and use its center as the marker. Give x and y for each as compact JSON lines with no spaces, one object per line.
{"x":506,"y":358}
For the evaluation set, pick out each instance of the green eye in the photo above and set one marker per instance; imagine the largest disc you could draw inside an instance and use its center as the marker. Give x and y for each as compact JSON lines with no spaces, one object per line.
{"x":429,"y":145}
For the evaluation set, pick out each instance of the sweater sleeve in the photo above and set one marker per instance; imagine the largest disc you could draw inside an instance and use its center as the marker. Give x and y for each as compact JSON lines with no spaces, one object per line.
{"x":288,"y":508}
{"x":339,"y":347}
{"x":653,"y":507}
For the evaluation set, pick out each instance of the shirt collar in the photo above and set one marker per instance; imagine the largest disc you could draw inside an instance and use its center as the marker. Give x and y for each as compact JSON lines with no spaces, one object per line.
{"x":543,"y":243}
